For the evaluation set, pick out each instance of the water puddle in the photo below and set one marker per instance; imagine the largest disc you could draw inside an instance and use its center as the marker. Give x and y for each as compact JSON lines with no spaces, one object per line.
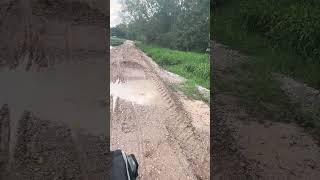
{"x":141,"y":92}
{"x":70,"y":93}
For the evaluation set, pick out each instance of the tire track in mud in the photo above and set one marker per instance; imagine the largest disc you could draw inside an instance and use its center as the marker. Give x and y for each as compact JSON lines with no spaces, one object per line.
{"x":140,"y":138}
{"x":46,"y":149}
{"x":178,"y":122}
{"x":50,"y":150}
{"x":180,"y":126}
{"x":249,"y":145}
{"x":181,"y":136}
{"x":119,"y":65}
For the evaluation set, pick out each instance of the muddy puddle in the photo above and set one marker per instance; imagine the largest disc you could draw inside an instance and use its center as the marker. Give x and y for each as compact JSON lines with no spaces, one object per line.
{"x":72,"y":94}
{"x":142,"y":92}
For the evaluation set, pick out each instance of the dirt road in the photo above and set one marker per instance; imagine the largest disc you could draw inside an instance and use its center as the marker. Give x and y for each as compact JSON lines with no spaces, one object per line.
{"x":53,"y":80}
{"x":150,"y":120}
{"x":252,"y":146}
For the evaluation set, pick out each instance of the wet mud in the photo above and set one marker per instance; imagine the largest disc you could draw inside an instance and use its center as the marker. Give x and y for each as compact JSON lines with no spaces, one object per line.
{"x":53,"y":78}
{"x":149,"y":120}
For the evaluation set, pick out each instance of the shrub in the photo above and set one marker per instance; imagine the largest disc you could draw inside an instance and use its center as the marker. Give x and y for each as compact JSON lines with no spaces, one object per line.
{"x":290,"y":24}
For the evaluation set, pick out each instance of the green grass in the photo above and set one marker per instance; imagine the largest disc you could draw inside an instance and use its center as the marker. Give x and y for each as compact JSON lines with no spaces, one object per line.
{"x":227,"y":28}
{"x":193,"y":66}
{"x":114,"y":41}
{"x":189,"y":89}
{"x":252,"y":81}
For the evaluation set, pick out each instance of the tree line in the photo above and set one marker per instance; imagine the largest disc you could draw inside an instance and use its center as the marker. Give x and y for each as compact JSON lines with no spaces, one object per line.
{"x":175,"y":24}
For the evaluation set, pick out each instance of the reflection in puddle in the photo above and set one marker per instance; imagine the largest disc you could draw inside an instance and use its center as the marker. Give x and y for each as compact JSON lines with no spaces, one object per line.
{"x":68,"y":93}
{"x":141,"y":92}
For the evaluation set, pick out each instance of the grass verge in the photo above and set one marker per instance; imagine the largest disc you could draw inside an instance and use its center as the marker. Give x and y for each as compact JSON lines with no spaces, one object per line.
{"x":193,"y":66}
{"x":227,"y":28}
{"x":252,"y":81}
{"x":189,"y":88}
{"x":114,"y":41}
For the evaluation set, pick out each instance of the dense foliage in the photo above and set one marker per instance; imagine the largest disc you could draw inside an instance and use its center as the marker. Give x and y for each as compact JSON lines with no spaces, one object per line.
{"x":283,"y":33}
{"x":178,"y":24}
{"x":289,"y":23}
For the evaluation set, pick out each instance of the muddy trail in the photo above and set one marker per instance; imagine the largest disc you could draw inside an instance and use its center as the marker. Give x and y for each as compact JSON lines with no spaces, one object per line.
{"x":153,"y":122}
{"x":252,"y":146}
{"x":53,"y":107}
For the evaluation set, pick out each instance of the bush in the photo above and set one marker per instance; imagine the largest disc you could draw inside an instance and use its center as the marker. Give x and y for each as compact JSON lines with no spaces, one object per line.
{"x":168,"y":40}
{"x":193,"y":66}
{"x":291,"y":24}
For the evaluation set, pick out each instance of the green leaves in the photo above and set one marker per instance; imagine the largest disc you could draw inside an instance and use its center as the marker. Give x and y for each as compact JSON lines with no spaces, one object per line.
{"x":291,"y":24}
{"x":181,"y":25}
{"x":193,"y":66}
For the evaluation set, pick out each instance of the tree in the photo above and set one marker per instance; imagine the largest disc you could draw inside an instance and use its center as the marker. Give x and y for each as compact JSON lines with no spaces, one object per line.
{"x":178,"y":24}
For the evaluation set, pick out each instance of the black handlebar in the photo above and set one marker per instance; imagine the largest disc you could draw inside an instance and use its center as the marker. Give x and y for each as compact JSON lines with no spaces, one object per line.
{"x":124,"y":167}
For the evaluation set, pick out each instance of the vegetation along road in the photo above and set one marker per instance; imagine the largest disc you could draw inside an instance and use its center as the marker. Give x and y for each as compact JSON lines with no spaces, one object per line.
{"x":266,"y":89}
{"x":168,"y":132}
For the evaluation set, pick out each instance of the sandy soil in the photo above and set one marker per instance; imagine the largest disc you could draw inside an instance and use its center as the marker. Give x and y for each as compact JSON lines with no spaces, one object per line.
{"x":256,"y":147}
{"x":166,"y":132}
{"x":51,"y":150}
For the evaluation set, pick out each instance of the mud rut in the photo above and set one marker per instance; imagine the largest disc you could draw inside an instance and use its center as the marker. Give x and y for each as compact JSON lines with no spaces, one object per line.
{"x":248,"y":146}
{"x":158,"y":132}
{"x":46,"y":147}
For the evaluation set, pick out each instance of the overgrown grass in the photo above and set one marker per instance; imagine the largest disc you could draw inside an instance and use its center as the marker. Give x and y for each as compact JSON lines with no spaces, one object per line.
{"x":254,"y":29}
{"x":244,"y":27}
{"x":114,"y":41}
{"x":193,"y":66}
{"x":290,"y":24}
{"x":189,"y":89}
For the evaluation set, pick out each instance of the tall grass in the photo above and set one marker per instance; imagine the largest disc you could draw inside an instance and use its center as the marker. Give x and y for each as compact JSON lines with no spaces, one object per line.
{"x":191,"y":65}
{"x":284,"y":33}
{"x":114,"y":41}
{"x":292,"y":24}
{"x":277,"y":36}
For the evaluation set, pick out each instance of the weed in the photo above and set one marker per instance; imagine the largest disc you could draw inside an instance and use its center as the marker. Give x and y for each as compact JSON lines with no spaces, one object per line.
{"x":193,"y":66}
{"x":114,"y":41}
{"x":282,"y":33}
